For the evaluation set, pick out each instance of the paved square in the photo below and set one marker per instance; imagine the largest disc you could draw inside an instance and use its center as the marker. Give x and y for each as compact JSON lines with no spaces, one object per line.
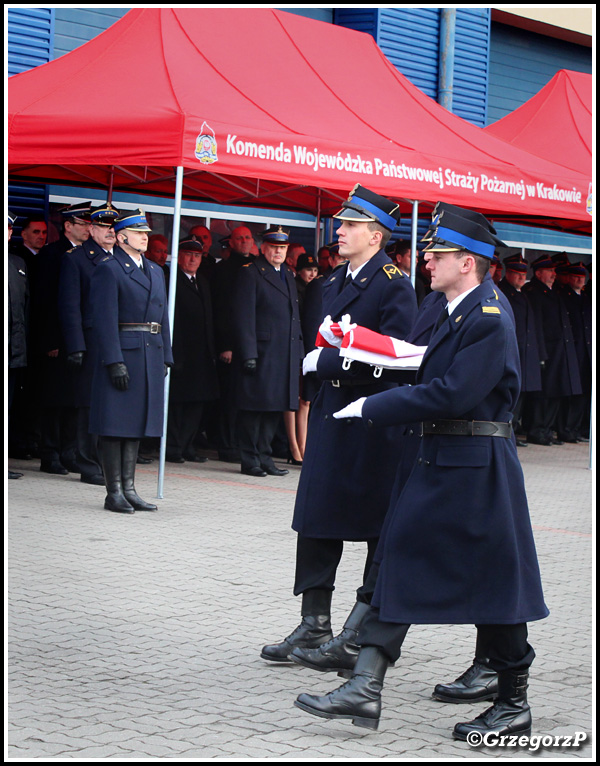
{"x":139,"y":636}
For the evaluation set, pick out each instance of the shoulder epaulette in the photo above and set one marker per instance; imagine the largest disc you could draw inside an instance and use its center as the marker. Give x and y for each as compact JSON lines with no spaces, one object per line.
{"x":490,"y":310}
{"x":392,"y":272}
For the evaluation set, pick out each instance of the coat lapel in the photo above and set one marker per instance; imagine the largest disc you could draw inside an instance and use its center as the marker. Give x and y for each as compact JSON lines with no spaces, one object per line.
{"x":271,"y":276}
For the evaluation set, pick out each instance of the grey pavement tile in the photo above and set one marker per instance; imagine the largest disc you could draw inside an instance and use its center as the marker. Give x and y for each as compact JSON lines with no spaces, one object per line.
{"x":139,"y":637}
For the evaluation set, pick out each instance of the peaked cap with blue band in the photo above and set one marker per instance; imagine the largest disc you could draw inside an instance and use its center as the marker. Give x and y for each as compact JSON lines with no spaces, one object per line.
{"x":543,"y":262}
{"x":275,"y":236}
{"x":516,"y":263}
{"x":136,"y":220}
{"x":365,"y":205}
{"x":446,"y":207}
{"x":79,"y":210}
{"x":12,"y":217}
{"x":104,"y":215}
{"x":191,"y":246}
{"x":454,"y":232}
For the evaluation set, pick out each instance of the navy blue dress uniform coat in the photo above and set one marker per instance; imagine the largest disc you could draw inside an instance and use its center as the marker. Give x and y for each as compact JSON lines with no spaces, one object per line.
{"x":561,"y":371}
{"x":347,"y":475}
{"x":527,"y":336}
{"x":18,"y":310}
{"x":75,"y":312}
{"x":458,"y":545}
{"x":121,"y":293}
{"x":267,"y":328}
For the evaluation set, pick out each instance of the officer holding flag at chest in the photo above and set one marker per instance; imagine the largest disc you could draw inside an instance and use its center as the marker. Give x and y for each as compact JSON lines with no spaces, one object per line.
{"x":131,"y":328}
{"x":458,"y":545}
{"x":347,"y":475}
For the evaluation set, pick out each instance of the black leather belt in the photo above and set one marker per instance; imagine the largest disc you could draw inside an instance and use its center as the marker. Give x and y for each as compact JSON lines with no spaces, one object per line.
{"x":153,"y":327}
{"x":467,"y":428}
{"x":349,"y":383}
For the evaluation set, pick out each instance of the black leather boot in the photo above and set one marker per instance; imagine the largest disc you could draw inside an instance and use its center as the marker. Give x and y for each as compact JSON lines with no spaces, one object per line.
{"x":510,"y":713}
{"x":477,"y":683}
{"x":314,"y":630}
{"x":338,"y":655}
{"x":111,"y":465}
{"x":359,"y":698}
{"x":129,"y":452}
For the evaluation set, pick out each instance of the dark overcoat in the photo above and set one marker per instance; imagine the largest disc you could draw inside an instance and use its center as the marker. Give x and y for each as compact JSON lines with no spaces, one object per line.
{"x":58,"y":387}
{"x":75,"y":314}
{"x":121,"y":293}
{"x":18,"y":308}
{"x":579,"y":310}
{"x":561,"y":372}
{"x":458,"y":545}
{"x":347,"y":475}
{"x":194,"y":373}
{"x":267,"y":328}
{"x":527,"y":336}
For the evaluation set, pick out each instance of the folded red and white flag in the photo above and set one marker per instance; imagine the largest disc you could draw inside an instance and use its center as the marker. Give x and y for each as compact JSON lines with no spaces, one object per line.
{"x":363,"y":345}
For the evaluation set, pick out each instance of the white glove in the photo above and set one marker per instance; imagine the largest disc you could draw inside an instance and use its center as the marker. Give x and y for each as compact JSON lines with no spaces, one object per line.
{"x":346,"y":324}
{"x":353,"y":410}
{"x":309,"y":364}
{"x":327,"y":334}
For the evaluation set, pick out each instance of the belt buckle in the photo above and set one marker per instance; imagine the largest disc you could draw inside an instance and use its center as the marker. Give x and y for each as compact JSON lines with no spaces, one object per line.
{"x":154,"y":328}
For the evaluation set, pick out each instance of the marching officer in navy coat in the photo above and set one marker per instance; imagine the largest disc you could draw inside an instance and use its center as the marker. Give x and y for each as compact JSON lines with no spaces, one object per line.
{"x":131,"y":330}
{"x":329,"y":509}
{"x":74,"y":307}
{"x":458,"y":545}
{"x":267,"y":351}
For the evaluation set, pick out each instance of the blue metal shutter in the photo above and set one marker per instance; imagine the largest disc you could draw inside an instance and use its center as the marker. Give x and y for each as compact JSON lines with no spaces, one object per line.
{"x":522,"y":62}
{"x":30,"y":38}
{"x":471,"y":63}
{"x":76,"y":26}
{"x":30,"y":33}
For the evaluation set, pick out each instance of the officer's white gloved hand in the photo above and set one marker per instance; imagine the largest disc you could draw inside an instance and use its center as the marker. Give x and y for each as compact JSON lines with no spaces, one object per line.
{"x":346,"y":324}
{"x":327,"y":333}
{"x":353,"y":410}
{"x":309,"y":363}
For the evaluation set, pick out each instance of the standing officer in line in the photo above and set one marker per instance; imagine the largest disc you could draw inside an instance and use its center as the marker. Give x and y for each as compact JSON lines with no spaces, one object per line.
{"x":78,"y":265}
{"x":347,"y":476}
{"x":560,"y":373}
{"x":267,"y":353}
{"x":58,"y":417}
{"x":194,"y":383}
{"x":130,"y":322}
{"x":458,"y":545}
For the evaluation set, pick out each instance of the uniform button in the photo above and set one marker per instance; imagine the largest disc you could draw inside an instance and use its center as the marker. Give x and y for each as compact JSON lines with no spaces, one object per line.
{"x":326,"y":416}
{"x":411,"y":432}
{"x":427,"y":462}
{"x":370,"y":423}
{"x":420,"y":461}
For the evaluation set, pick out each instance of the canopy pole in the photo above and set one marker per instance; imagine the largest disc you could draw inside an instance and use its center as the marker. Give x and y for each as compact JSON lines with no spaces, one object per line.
{"x":171,"y":299}
{"x":318,"y":223}
{"x":413,"y":241}
{"x":111,"y":184}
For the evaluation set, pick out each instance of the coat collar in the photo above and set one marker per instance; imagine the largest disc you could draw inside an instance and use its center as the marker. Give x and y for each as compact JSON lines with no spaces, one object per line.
{"x":131,"y":268}
{"x":272,"y":277}
{"x":344,"y":297}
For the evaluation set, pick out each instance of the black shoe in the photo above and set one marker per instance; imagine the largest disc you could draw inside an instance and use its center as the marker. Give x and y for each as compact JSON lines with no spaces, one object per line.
{"x":540,"y":441}
{"x":14,"y":474}
{"x":338,"y":655}
{"x":476,"y":683}
{"x":359,"y":699}
{"x":118,"y":504}
{"x":174,"y":459}
{"x":313,"y":631}
{"x":195,"y":458}
{"x":521,"y":443}
{"x":510,"y":713}
{"x":110,"y":450}
{"x":70,"y":465}
{"x":54,"y":467}
{"x":96,"y":479}
{"x":272,"y":471}
{"x":255,"y":470}
{"x":141,"y":460}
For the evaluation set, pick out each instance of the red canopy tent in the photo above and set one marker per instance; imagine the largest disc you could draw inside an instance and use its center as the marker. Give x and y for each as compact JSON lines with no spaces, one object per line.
{"x":262,"y":107}
{"x":555,"y":124}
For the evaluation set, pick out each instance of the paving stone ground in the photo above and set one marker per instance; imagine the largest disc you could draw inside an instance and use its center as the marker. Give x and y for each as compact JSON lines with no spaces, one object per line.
{"x":138,"y":637}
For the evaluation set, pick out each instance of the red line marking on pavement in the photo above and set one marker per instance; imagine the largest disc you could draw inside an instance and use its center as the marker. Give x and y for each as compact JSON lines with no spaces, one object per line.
{"x":562,"y":531}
